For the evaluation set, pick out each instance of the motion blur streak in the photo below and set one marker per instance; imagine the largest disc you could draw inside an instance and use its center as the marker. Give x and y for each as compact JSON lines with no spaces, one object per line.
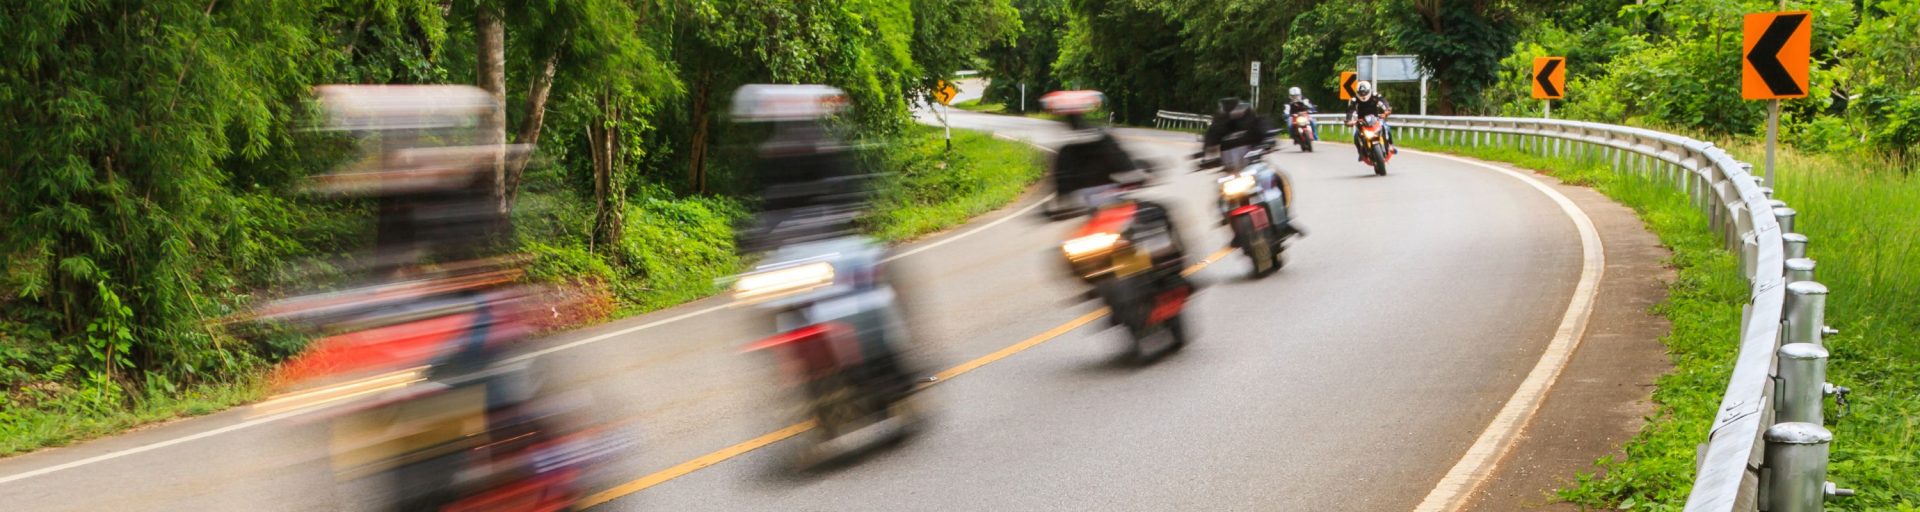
{"x":721,"y":455}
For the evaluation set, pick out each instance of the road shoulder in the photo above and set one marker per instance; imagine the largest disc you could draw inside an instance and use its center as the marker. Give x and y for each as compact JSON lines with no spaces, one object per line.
{"x":1605,"y":394}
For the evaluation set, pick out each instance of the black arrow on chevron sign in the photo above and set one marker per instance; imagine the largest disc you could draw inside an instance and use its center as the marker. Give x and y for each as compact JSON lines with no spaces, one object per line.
{"x":1765,"y":56}
{"x":1545,"y":78}
{"x":1348,"y":85}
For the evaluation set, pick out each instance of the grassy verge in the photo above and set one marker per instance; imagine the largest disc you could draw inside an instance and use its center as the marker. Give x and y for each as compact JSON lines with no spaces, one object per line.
{"x":59,"y":419}
{"x":1865,"y":224}
{"x":976,"y":105}
{"x":932,"y":190}
{"x":672,"y":251}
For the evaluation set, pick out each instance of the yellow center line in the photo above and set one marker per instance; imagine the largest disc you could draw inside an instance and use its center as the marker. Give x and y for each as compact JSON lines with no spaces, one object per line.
{"x":721,"y":455}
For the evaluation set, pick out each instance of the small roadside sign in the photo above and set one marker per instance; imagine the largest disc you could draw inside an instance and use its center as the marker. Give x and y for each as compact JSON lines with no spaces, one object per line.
{"x":1776,"y":55}
{"x":945,"y":92}
{"x":1549,"y":78}
{"x":1253,"y":77}
{"x":1347,"y":80}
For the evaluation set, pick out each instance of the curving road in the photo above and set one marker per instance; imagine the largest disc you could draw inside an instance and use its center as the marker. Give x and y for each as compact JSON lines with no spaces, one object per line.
{"x":1354,"y":379}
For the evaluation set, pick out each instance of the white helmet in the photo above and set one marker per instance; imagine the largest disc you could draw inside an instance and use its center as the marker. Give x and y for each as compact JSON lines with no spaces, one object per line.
{"x":1294,"y":92}
{"x":1363,"y":90}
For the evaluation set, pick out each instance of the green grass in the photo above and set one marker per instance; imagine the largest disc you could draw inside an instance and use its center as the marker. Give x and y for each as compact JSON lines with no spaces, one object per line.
{"x":61,"y":419}
{"x":1864,"y":223}
{"x":932,"y":189}
{"x":976,"y":106}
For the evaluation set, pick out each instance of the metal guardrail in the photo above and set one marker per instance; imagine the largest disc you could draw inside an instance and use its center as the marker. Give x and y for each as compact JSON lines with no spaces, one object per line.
{"x":1767,"y":449}
{"x":1181,"y":120}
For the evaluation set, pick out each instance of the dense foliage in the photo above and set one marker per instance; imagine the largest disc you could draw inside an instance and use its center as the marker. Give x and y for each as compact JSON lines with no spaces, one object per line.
{"x":1672,"y":64}
{"x":153,"y":148}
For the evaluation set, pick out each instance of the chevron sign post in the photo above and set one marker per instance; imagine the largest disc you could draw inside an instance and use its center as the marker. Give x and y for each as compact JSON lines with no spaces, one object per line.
{"x":1774,"y":65}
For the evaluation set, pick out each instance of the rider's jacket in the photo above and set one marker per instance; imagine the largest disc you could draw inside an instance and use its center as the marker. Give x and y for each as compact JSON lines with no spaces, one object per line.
{"x":1360,"y":109}
{"x":1229,"y":131}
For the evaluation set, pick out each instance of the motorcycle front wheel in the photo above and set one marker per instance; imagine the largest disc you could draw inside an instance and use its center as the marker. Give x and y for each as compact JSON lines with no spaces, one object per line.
{"x":1379,"y":160}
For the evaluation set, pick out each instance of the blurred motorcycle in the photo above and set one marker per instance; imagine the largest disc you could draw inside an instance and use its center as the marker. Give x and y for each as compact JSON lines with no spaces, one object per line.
{"x":462,"y":427}
{"x":1254,"y":203}
{"x":838,"y":322}
{"x":1132,"y":255}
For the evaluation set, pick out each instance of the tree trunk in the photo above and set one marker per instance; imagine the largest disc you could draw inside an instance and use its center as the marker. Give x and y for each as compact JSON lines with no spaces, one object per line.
{"x":608,"y":199}
{"x":697,"y":153}
{"x":491,"y":69}
{"x":529,"y":131}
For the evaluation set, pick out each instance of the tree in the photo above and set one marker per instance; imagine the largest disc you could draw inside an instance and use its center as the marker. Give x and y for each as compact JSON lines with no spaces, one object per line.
{"x":1029,"y":56}
{"x":123,"y":117}
{"x":1461,"y":42}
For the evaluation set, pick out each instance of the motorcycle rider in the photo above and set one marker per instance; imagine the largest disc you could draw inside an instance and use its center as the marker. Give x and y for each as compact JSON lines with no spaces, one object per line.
{"x":1093,"y":156}
{"x":1235,"y":131}
{"x":1367,"y":102}
{"x":808,"y":188}
{"x":1297,"y":104}
{"x":811,"y":191}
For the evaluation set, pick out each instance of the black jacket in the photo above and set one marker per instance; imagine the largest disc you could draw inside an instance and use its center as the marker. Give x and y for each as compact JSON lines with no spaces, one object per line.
{"x":1089,"y":163}
{"x":1231,"y":132}
{"x":1300,"y":106}
{"x":1359,"y":109}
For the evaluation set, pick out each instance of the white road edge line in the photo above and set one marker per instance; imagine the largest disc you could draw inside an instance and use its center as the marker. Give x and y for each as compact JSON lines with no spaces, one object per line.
{"x":523,"y":357}
{"x":1494,"y":443}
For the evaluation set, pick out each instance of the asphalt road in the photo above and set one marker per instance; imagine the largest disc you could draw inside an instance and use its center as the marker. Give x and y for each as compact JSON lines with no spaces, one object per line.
{"x":1351,"y":380}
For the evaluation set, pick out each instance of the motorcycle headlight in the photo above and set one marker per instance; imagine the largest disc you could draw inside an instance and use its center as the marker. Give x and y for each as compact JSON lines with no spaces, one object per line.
{"x":783,"y":280}
{"x":1089,"y":245}
{"x":1237,"y":186}
{"x":1301,"y":121}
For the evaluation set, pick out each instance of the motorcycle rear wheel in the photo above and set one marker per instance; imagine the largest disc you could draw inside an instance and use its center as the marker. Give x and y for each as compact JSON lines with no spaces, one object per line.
{"x":1258,"y":247}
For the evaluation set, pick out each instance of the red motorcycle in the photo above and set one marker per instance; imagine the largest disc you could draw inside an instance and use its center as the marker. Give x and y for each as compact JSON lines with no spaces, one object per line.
{"x":1301,"y":127}
{"x":1373,"y":144}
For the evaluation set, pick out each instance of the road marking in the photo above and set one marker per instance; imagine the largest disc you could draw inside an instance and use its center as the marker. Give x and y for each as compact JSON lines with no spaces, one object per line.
{"x":723,"y":454}
{"x":262,"y":420}
{"x":1497,"y":440}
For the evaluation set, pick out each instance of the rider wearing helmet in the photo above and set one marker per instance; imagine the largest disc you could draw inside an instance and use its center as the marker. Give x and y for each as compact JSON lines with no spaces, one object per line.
{"x":1297,"y":103}
{"x":1367,"y":102}
{"x":1234,"y":131}
{"x":809,"y":187}
{"x":1093,"y":156}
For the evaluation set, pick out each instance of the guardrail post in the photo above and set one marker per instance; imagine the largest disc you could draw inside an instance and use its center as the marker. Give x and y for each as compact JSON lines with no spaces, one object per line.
{"x":1795,"y":245}
{"x":1784,"y":216}
{"x":1806,"y":312}
{"x":1803,"y":384}
{"x":1796,"y":468}
{"x":1799,"y":269}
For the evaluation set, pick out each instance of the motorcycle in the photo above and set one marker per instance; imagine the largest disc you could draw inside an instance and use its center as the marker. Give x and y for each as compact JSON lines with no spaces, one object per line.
{"x":474,"y":433}
{"x":1253,"y":202}
{"x":1301,"y":128}
{"x":838,"y":324}
{"x":1373,"y":142}
{"x":1131,"y":254}
{"x":442,"y":446}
